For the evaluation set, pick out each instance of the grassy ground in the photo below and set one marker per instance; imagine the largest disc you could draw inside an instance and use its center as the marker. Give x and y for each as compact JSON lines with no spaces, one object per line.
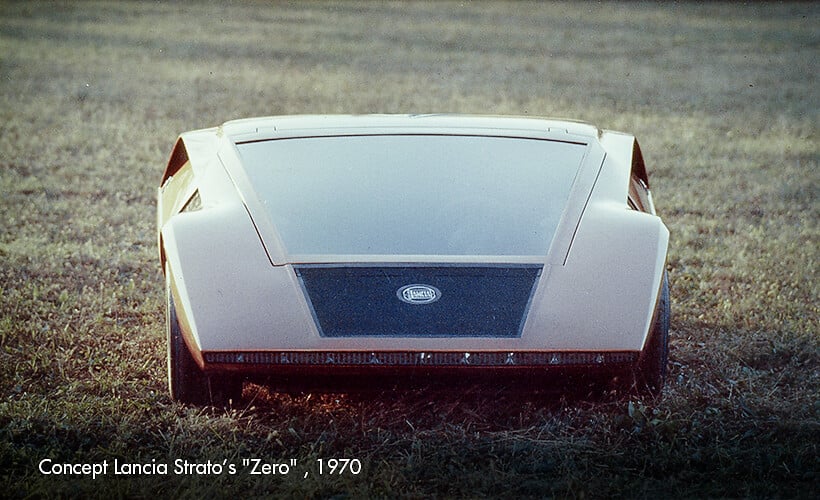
{"x":723,"y":98}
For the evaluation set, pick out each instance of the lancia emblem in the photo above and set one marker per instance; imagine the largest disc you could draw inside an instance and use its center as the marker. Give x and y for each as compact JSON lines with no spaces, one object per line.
{"x":418,"y":294}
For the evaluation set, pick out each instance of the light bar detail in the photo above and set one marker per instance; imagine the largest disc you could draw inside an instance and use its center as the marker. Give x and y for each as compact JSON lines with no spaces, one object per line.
{"x":438,"y":358}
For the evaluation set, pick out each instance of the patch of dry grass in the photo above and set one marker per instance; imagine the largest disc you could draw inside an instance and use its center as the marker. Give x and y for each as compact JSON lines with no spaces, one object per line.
{"x":724,"y":101}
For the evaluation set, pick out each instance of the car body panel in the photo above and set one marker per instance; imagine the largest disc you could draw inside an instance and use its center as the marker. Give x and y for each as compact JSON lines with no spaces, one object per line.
{"x":237,"y":288}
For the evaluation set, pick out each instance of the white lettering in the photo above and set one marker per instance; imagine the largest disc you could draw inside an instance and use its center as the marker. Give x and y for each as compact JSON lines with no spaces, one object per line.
{"x":48,"y":467}
{"x":182,"y":466}
{"x":260,"y":468}
{"x":152,"y":468}
{"x":256,"y":463}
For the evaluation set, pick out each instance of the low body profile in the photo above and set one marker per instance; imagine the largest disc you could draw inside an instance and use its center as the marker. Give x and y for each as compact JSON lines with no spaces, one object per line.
{"x":373,"y":246}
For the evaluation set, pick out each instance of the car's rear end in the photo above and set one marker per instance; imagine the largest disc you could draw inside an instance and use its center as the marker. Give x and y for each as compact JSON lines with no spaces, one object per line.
{"x":411,"y":246}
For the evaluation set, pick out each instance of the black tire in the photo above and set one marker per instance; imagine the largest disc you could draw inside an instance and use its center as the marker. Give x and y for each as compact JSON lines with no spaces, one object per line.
{"x":187,"y":383}
{"x":650,"y":372}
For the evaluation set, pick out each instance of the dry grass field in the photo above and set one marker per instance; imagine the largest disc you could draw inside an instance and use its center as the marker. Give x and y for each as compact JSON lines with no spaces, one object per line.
{"x":724,"y":99}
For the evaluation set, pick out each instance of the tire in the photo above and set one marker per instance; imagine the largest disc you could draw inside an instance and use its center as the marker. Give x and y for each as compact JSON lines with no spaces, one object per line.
{"x":187,"y":383}
{"x":650,"y":372}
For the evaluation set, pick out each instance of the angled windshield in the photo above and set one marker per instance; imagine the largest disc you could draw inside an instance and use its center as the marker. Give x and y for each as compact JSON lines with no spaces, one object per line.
{"x":413,"y":194}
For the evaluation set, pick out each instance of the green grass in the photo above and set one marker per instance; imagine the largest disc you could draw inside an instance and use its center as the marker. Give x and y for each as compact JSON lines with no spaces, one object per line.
{"x":723,"y":98}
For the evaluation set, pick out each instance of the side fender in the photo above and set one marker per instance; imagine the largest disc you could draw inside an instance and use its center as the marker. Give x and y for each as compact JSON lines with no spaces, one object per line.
{"x":604,"y":296}
{"x":228,"y":290}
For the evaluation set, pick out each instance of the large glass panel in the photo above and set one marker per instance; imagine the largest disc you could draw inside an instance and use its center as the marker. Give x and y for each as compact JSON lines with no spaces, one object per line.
{"x":413,"y":194}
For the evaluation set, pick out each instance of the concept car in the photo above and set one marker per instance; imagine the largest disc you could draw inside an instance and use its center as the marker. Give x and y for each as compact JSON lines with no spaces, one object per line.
{"x":329,"y":248}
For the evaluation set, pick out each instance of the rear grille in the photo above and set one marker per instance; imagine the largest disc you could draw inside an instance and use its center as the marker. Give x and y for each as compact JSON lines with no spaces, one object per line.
{"x":419,"y":301}
{"x":438,"y":358}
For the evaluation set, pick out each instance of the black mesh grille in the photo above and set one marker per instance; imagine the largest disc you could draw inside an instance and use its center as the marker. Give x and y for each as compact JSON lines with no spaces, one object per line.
{"x":490,"y":301}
